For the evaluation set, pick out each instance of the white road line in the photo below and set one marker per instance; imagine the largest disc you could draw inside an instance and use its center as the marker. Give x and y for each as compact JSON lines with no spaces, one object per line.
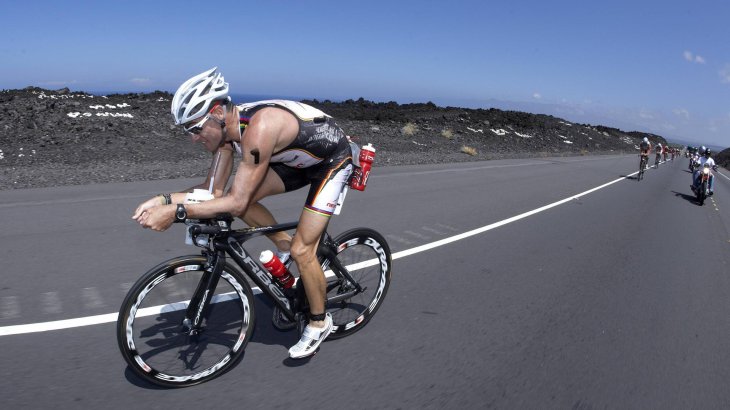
{"x":483,"y":229}
{"x":92,"y":298}
{"x":726,"y":177}
{"x":398,"y":239}
{"x":418,"y":235}
{"x":450,"y":228}
{"x":51,"y":303}
{"x":429,"y":229}
{"x":112,"y":317}
{"x":9,"y":307}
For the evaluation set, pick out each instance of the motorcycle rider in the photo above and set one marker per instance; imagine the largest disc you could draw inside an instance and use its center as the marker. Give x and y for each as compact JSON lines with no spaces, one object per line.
{"x":705,"y":159}
{"x":694,"y":158}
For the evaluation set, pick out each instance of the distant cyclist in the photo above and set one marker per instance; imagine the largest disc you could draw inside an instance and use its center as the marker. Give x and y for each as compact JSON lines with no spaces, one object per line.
{"x":644,"y":149}
{"x":658,"y":150}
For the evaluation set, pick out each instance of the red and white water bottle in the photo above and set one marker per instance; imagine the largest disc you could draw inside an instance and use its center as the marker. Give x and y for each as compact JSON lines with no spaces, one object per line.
{"x":273,"y":264}
{"x":360,"y":179}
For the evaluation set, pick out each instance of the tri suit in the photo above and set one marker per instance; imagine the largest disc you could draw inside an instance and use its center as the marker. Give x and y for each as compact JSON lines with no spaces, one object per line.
{"x":320,"y":155}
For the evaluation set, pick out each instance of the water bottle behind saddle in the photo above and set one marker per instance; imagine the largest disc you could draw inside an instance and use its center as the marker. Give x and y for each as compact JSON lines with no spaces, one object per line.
{"x":360,"y":176}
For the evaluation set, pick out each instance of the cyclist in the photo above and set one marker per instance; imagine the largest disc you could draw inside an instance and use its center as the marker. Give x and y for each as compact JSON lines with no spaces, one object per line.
{"x":644,"y":149}
{"x":284,"y":145}
{"x":658,"y":152}
{"x":705,"y":159}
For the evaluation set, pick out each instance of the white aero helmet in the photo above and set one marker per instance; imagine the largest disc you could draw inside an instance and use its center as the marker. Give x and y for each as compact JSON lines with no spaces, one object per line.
{"x":194,"y":97}
{"x":646,"y":140}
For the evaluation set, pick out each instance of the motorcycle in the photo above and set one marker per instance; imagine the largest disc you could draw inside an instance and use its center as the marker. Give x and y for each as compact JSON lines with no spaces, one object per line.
{"x":693,"y":165}
{"x":703,"y":190}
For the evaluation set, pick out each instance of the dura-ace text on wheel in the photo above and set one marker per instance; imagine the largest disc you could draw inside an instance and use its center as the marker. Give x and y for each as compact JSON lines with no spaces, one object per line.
{"x":160,"y":344}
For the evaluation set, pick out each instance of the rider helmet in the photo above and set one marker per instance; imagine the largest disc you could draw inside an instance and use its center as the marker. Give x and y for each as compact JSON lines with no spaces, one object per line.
{"x":646,"y":140}
{"x":708,"y":152}
{"x":195,"y":96}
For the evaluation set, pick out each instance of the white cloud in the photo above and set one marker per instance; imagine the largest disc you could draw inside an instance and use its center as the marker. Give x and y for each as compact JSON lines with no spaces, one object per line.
{"x":57,"y":83}
{"x":681,"y":112}
{"x":645,"y":115}
{"x":725,"y":74}
{"x":138,"y":80}
{"x":536,"y":96}
{"x":692,"y":58}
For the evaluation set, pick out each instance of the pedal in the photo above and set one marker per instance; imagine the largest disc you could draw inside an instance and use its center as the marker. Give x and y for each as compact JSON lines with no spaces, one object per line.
{"x":280,"y":321}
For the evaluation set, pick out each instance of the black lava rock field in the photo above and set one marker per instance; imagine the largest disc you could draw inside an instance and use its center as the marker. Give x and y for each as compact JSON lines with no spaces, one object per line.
{"x":59,"y":137}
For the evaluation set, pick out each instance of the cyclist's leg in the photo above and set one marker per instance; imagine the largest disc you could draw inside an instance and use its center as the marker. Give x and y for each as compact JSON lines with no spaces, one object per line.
{"x":304,"y":251}
{"x":326,"y":185}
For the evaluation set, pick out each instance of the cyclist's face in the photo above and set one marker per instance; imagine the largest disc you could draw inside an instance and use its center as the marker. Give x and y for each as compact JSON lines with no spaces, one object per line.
{"x":210,"y":134}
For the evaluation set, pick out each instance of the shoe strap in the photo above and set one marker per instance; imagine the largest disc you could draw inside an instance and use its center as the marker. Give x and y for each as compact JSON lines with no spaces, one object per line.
{"x":312,"y":332}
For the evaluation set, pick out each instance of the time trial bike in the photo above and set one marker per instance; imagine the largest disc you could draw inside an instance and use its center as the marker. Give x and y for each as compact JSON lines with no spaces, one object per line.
{"x":188,"y":319}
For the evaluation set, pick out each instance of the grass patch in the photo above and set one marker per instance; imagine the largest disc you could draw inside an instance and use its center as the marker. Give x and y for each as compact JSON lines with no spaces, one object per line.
{"x":447,"y":133}
{"x":409,"y":129}
{"x":469,"y":150}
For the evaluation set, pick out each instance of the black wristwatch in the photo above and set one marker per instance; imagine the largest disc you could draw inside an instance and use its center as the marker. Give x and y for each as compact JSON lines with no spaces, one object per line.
{"x":181,"y":214}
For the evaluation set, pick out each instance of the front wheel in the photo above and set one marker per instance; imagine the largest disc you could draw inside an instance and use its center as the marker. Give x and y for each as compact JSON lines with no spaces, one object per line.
{"x":156,"y":337}
{"x":366,"y":256}
{"x":702,"y":193}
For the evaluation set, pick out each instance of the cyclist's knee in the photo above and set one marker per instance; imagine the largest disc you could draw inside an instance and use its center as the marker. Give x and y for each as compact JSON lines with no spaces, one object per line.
{"x":302,"y":252}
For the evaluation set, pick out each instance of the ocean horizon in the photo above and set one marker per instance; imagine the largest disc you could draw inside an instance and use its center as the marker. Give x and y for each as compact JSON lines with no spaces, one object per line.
{"x":237,"y":98}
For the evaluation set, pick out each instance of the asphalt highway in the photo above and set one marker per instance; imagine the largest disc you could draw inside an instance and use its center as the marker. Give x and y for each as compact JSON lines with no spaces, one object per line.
{"x":556,"y":294}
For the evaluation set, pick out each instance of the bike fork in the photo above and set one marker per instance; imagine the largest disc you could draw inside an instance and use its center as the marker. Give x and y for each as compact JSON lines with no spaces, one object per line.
{"x":200,"y":302}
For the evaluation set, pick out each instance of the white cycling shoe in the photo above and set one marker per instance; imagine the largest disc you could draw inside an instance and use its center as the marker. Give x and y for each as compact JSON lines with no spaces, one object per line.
{"x":311,"y":339}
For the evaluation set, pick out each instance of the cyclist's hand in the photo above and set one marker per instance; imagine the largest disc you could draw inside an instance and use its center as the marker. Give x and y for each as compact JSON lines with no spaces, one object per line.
{"x":157,"y":218}
{"x":152,"y":202}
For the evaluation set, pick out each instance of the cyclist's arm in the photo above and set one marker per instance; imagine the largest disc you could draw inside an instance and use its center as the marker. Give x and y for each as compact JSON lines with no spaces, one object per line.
{"x":219,"y":171}
{"x":262,"y":133}
{"x":220,"y":168}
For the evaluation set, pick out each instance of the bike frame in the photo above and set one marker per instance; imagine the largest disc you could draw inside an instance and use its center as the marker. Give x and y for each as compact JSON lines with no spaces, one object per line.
{"x":231,"y":245}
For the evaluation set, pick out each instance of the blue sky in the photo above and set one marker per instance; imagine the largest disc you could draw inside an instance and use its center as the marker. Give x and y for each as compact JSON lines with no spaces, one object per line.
{"x":653,"y":66}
